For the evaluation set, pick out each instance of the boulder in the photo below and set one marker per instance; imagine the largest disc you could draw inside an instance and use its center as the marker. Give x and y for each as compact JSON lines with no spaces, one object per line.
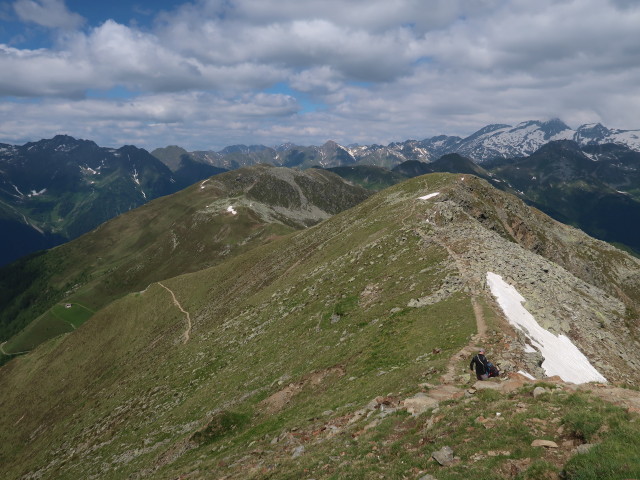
{"x":539,"y":391}
{"x":419,"y":403}
{"x":298,"y":451}
{"x":544,"y":443}
{"x":444,"y":456}
{"x":584,"y":448}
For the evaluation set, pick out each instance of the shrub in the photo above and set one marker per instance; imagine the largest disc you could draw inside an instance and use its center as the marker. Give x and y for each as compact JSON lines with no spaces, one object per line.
{"x":583,"y":423}
{"x":220,"y":425}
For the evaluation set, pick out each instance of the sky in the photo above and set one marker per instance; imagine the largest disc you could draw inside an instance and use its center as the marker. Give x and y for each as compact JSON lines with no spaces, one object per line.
{"x":210,"y":73}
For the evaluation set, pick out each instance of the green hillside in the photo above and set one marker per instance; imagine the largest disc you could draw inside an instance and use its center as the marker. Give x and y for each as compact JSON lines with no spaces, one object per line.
{"x":298,"y":358}
{"x":185,"y":232}
{"x":368,"y":176}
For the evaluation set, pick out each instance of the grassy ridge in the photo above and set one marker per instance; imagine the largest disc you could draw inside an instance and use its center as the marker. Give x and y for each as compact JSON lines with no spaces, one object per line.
{"x":185,"y":232}
{"x":287,"y":338}
{"x":261,"y":318}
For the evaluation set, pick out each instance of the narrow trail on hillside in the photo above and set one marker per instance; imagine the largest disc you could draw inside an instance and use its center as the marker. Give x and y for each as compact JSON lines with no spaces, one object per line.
{"x":10,"y":353}
{"x":481,"y":326}
{"x":471,"y":348}
{"x":186,"y":335}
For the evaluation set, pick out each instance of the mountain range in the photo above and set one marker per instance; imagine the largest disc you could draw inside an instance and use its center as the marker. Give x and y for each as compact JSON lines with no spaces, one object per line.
{"x":56,"y":189}
{"x":337,"y":350}
{"x":593,"y":187}
{"x":489,"y":143}
{"x":196,"y":228}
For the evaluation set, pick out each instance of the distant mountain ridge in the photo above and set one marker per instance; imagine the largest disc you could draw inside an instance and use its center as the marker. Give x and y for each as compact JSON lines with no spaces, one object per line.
{"x":593,"y":187}
{"x":54,"y":190}
{"x":491,"y":142}
{"x":57,"y":189}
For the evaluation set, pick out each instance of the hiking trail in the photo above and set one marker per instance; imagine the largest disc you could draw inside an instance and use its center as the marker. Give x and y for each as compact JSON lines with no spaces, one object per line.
{"x":2,"y":350}
{"x":187,"y":332}
{"x":481,"y":326}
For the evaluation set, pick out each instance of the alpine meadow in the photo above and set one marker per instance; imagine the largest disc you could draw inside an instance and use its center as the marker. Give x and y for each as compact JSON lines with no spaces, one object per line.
{"x":341,"y":351}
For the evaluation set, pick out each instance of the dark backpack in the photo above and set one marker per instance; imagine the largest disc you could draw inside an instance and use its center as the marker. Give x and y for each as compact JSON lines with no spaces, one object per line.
{"x":492,"y":370}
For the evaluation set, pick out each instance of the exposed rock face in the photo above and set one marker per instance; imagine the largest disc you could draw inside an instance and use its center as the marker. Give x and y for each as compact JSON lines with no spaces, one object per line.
{"x":420,"y":404}
{"x":573,"y":285}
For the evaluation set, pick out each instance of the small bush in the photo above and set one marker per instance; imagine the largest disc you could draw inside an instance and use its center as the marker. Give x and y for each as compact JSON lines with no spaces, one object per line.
{"x":488,"y":395}
{"x":576,"y":400}
{"x":583,"y":423}
{"x":220,"y":425}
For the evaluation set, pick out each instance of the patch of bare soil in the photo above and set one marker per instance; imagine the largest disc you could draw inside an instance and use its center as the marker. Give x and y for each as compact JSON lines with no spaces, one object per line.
{"x":281,"y":398}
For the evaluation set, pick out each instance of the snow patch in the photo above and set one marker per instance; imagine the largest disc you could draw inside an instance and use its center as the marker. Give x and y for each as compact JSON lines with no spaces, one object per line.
{"x":427,"y":197}
{"x":561,"y":356}
{"x":529,"y":349}
{"x":37,"y":194}
{"x":137,"y":181}
{"x":18,"y":190}
{"x":90,"y":171}
{"x":202,"y":184}
{"x":525,"y":374}
{"x":231,"y":210}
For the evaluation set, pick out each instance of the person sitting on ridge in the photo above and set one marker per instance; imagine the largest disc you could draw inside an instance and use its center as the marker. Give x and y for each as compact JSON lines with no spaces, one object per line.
{"x":482,"y":365}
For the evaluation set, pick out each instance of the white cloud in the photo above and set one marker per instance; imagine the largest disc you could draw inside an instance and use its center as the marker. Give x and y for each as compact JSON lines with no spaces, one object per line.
{"x":47,"y":13}
{"x":380,"y":70}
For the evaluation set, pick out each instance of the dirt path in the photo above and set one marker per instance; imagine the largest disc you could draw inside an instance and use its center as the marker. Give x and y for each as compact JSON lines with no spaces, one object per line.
{"x":187,"y":333}
{"x":481,"y":325}
{"x":10,"y":353}
{"x":468,"y":350}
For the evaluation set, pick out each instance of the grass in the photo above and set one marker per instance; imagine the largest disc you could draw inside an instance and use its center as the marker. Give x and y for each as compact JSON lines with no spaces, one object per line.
{"x":222,"y":424}
{"x":401,"y":446}
{"x":614,"y":458}
{"x":183,"y":233}
{"x":76,"y":314}
{"x":124,"y":396}
{"x":57,"y":321}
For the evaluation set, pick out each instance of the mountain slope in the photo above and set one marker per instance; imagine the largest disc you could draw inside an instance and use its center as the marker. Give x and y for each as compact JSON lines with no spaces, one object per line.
{"x":288,"y":343}
{"x":580,"y":186}
{"x":450,"y":163}
{"x":369,"y":177}
{"x":190,"y":230}
{"x":63,"y":187}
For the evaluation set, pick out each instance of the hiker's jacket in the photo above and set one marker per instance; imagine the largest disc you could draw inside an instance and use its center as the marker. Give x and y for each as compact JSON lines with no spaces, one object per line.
{"x":481,"y":362}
